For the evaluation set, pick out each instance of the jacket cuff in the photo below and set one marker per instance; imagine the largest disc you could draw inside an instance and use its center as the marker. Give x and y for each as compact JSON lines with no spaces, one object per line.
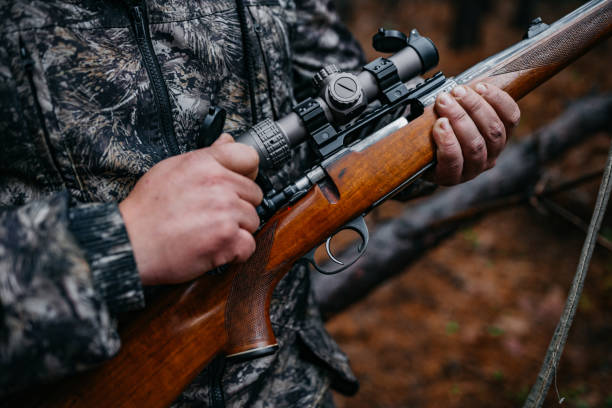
{"x":101,"y":233}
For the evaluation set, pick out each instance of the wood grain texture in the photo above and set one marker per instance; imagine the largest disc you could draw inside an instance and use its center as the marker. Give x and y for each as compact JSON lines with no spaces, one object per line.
{"x":166,"y":345}
{"x":247,"y":320}
{"x":163,"y":349}
{"x":523,"y":72}
{"x":564,"y":46}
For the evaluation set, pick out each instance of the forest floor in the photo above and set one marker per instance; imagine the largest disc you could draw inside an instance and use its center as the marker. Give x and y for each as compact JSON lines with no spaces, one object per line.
{"x":469,"y":323}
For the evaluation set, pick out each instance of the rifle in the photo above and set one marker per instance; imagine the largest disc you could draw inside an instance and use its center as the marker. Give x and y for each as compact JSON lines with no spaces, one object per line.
{"x":169,"y":343}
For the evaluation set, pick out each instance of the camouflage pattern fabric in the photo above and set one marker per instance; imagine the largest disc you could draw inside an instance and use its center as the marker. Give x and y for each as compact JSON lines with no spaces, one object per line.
{"x":53,"y":321}
{"x":79,"y":125}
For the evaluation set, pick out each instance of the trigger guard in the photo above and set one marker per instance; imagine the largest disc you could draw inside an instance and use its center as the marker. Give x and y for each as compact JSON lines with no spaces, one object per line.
{"x":358,"y":225}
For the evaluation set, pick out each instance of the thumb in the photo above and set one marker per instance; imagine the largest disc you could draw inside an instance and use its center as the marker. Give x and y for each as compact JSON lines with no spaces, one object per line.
{"x":225,"y":138}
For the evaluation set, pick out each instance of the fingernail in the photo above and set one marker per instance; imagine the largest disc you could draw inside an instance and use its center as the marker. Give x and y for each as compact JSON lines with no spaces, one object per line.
{"x":444,"y":124}
{"x":459,"y":91}
{"x":481,"y":88}
{"x":443,"y":99}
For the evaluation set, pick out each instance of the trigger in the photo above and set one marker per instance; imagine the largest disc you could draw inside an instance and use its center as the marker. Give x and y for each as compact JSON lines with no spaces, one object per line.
{"x":358,"y":225}
{"x":329,"y":252}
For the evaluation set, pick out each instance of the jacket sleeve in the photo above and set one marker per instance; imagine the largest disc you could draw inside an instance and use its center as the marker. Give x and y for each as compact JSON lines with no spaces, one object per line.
{"x":63,"y":272}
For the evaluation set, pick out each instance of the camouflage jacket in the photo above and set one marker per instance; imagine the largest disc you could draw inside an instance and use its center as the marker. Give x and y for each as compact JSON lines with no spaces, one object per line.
{"x":83,"y":114}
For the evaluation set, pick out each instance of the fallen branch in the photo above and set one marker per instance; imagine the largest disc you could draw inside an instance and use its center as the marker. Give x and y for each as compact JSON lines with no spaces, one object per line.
{"x":397,"y":243}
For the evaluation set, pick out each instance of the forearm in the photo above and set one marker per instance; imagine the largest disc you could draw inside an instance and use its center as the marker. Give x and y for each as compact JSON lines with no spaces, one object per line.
{"x":61,"y":271}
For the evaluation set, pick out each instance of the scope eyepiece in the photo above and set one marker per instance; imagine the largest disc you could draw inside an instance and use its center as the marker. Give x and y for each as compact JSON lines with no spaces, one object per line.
{"x":270,"y":143}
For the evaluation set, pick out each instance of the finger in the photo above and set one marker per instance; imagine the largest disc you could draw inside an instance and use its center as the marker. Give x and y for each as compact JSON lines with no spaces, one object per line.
{"x":223,"y":139}
{"x":485,"y":118}
{"x":244,"y":246}
{"x":448,"y":154}
{"x":227,"y":180}
{"x":472,"y":144}
{"x":247,"y":216}
{"x":237,"y":157}
{"x":253,"y":175}
{"x":246,"y":189}
{"x":504,"y":105}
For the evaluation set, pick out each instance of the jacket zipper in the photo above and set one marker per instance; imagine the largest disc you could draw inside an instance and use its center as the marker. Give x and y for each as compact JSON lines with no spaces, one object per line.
{"x":138,"y":15}
{"x":249,"y":62}
{"x":266,"y":63}
{"x":28,"y":64}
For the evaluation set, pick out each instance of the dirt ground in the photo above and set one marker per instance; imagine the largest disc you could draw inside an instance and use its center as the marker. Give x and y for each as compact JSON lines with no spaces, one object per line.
{"x":468,"y":325}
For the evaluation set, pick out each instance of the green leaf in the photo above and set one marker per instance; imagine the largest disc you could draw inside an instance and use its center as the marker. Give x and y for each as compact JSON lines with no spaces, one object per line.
{"x":452,"y":327}
{"x":495,"y":331}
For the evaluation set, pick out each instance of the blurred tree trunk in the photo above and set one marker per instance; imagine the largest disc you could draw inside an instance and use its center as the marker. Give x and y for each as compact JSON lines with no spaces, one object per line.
{"x":525,"y":12}
{"x":348,"y":8}
{"x":467,"y":27}
{"x":345,"y":9}
{"x":397,"y":243}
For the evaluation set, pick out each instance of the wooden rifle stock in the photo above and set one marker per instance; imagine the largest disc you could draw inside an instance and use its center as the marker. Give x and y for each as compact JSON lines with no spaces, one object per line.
{"x":166,"y":345}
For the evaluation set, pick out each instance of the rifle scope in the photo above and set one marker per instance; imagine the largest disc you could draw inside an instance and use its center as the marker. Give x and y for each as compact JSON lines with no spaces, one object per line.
{"x":341,"y":98}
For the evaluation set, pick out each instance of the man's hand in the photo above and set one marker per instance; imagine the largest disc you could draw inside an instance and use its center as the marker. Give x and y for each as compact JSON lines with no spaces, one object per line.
{"x":194,"y":212}
{"x":472,"y":131}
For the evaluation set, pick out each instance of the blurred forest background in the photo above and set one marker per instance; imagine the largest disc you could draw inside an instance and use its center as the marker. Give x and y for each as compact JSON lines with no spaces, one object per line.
{"x":468,"y":324}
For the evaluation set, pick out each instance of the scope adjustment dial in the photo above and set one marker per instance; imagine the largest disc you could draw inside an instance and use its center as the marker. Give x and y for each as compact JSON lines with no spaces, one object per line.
{"x":325,"y":72}
{"x":344,"y":91}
